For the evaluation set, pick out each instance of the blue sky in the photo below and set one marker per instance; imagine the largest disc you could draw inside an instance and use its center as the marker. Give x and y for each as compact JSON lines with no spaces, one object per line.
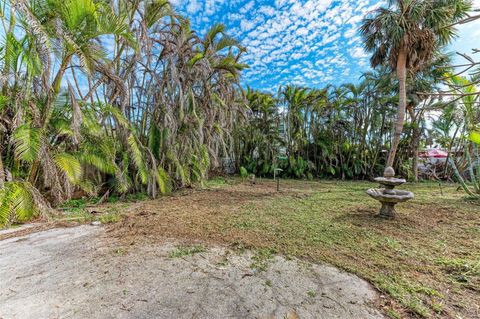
{"x":303,"y":42}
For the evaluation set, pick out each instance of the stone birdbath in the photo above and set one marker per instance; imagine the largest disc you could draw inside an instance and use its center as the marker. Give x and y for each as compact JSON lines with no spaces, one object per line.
{"x":387,"y":195}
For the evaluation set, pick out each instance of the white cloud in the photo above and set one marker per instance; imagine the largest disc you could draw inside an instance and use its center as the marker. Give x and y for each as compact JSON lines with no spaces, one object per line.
{"x":247,"y":7}
{"x":193,"y":6}
{"x":266,"y":10}
{"x":350,"y":33}
{"x":358,"y":53}
{"x":246,"y":25}
{"x":300,"y":41}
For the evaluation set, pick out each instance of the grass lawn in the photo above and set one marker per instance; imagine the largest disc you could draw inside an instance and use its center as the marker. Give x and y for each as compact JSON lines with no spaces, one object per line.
{"x":426,"y":262}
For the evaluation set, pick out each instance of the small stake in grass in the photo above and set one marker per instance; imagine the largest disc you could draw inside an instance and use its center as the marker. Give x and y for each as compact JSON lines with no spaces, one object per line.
{"x":277,"y":170}
{"x":275,"y":177}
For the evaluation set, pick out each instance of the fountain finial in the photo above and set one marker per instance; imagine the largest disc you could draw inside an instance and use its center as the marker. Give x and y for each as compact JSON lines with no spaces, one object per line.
{"x":389,"y":172}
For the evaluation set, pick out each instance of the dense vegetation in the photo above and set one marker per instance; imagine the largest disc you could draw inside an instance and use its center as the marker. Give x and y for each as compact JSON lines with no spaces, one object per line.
{"x":355,"y":130}
{"x":101,"y":97}
{"x":346,"y":131}
{"x":117,"y":97}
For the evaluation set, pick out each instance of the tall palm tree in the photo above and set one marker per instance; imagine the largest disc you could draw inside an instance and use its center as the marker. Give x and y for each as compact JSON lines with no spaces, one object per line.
{"x":405,"y":36}
{"x":295,"y":100}
{"x":258,"y":140}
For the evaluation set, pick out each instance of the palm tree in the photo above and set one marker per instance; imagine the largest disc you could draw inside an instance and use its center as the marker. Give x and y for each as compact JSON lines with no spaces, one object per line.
{"x":258,"y":140}
{"x":295,"y":100}
{"x":427,"y":80}
{"x":70,"y":31}
{"x":138,"y":116}
{"x":405,"y":36}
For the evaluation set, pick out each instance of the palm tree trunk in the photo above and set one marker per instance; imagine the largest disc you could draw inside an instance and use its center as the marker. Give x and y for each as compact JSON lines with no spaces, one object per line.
{"x":2,"y":173}
{"x":415,"y":142}
{"x":402,"y":78}
{"x":7,"y":50}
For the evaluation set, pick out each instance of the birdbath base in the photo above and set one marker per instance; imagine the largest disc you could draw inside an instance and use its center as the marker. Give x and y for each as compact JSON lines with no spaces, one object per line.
{"x":387,"y":211}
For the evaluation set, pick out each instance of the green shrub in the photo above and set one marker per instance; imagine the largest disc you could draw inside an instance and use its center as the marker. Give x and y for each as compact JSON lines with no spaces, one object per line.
{"x":243,"y":172}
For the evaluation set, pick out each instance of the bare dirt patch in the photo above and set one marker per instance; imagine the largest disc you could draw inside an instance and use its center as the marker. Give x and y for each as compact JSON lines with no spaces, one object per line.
{"x":75,"y":273}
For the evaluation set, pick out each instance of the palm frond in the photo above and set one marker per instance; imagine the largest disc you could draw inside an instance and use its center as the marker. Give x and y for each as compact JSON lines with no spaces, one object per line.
{"x":19,"y":202}
{"x":163,"y":180}
{"x":70,"y":166}
{"x":138,"y":158}
{"x":27,"y":142}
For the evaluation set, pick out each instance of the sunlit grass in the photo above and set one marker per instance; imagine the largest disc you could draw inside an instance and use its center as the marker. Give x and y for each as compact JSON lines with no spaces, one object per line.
{"x":433,"y":246}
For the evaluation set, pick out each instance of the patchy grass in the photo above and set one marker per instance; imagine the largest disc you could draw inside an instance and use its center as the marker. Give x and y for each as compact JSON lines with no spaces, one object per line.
{"x":77,"y":215}
{"x":77,"y":204}
{"x":108,"y":218}
{"x":86,"y":210}
{"x":426,"y":260}
{"x":76,"y":212}
{"x":129,"y":198}
{"x":83,"y":203}
{"x":119,"y":251}
{"x":184,"y":251}
{"x":84,"y":216}
{"x":261,"y":258}
{"x":311,"y":293}
{"x":217,"y":182}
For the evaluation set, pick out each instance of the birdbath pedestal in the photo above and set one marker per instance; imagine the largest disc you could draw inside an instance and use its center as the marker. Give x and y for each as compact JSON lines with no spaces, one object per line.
{"x":387,"y":195}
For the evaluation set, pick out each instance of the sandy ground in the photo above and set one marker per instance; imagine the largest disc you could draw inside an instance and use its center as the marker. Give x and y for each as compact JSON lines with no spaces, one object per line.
{"x":74,"y":273}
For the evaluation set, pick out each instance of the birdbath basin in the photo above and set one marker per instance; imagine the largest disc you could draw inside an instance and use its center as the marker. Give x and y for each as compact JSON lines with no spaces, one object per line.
{"x":387,"y":195}
{"x":390,"y":181}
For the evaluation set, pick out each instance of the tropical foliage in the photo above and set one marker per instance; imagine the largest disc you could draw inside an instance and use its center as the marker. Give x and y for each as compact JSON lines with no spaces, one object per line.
{"x":117,"y":96}
{"x":464,"y":115}
{"x":334,"y":132}
{"x":405,"y":36}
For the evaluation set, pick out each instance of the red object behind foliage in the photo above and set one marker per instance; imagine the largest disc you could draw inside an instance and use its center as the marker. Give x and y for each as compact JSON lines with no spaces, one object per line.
{"x":433,"y":153}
